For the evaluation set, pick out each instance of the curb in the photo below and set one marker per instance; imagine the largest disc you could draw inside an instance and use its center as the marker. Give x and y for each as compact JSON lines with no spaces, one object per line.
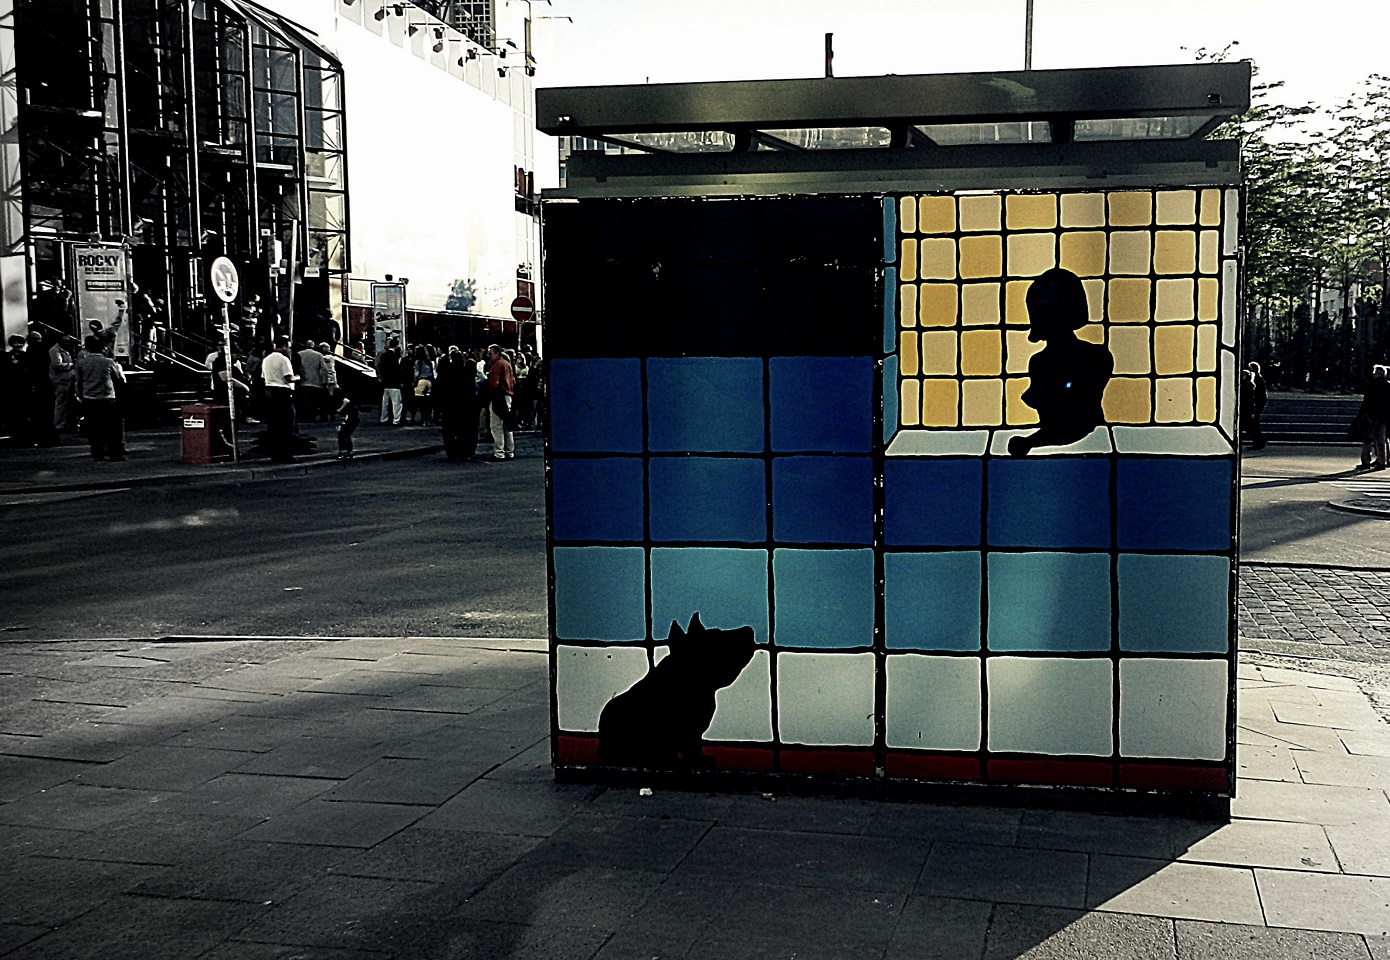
{"x":1366,"y":506}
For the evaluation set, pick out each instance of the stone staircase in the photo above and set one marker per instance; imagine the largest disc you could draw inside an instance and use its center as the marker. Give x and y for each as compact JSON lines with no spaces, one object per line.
{"x":1310,"y":418}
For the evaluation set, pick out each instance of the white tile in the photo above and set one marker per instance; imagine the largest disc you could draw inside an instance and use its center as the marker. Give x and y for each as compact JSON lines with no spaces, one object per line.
{"x":1202,"y":441}
{"x":933,"y":703}
{"x":1049,"y":705}
{"x":826,"y":699}
{"x":743,"y":709}
{"x":1230,"y":220}
{"x":1228,"y":386}
{"x":1097,"y":441}
{"x":586,"y":678}
{"x":1174,"y":708}
{"x":919,"y":442}
{"x":1229,"y":319}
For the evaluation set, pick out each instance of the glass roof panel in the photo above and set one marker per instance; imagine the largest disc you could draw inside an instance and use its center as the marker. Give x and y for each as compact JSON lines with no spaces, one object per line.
{"x":959,"y":134}
{"x":1139,"y":128}
{"x":695,"y":141}
{"x":834,"y":138}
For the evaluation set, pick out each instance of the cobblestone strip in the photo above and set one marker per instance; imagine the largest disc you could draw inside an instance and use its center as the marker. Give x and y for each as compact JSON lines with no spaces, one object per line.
{"x":1342,"y":609}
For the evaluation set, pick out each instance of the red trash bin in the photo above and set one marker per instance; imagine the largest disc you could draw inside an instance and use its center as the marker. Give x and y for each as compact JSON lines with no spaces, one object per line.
{"x":207,"y":433}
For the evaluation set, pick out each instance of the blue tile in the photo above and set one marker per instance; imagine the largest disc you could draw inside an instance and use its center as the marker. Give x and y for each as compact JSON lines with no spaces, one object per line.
{"x":824,"y":598}
{"x":708,"y":498}
{"x":1174,"y":504}
{"x":931,"y":601}
{"x":1055,"y":602}
{"x":600,"y":593}
{"x":890,"y":230}
{"x":599,"y":499}
{"x":823,"y":500}
{"x":890,"y":312}
{"x":1049,"y":503}
{"x":1174,"y":604}
{"x":932,"y":503}
{"x":890,"y":399}
{"x":705,"y":404}
{"x":727,"y":586}
{"x":596,"y":406}
{"x":822,"y":404}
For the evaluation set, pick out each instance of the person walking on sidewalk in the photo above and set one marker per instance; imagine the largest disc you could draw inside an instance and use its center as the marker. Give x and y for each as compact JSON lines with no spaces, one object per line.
{"x":388,"y":374}
{"x":279,"y":390}
{"x":501,"y":388}
{"x":348,"y":419}
{"x":63,"y":378}
{"x":1253,"y":396}
{"x":1375,"y":406}
{"x":97,"y":376}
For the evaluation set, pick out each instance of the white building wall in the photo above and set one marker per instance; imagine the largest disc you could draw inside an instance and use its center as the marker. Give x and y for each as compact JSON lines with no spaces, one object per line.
{"x":432,"y":149}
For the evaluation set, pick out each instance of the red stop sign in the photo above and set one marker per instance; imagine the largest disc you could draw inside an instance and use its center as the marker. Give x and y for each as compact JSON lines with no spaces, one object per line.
{"x":523,"y":308}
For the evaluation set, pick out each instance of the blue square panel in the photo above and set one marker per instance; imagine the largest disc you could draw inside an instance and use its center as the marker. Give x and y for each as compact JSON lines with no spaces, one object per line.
{"x":1054,"y":602}
{"x":1049,"y":503}
{"x":726,"y":586}
{"x":824,"y":598}
{"x":1174,"y":604}
{"x":600,"y":593}
{"x":1174,"y":504}
{"x":708,"y":498}
{"x":596,"y":406}
{"x":931,"y":601}
{"x":822,"y":404}
{"x":596,"y":499}
{"x":823,"y":500}
{"x":932,"y":503}
{"x":705,"y":404}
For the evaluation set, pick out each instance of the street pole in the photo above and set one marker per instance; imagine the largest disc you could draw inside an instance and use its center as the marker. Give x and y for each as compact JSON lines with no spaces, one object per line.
{"x":1028,"y":38}
{"x":231,"y":389}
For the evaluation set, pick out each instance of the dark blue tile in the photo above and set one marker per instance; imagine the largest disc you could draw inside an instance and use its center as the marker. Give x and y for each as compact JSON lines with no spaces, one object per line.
{"x":596,"y":406}
{"x":822,"y":404}
{"x":708,"y":498}
{"x":705,"y":404}
{"x":824,"y":598}
{"x":932,"y":503}
{"x":1049,"y":503}
{"x":823,"y":500}
{"x":599,"y":499}
{"x":1174,"y":504}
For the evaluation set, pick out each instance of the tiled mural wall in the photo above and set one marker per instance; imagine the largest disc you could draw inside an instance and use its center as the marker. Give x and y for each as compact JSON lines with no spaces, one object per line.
{"x":793,"y":416}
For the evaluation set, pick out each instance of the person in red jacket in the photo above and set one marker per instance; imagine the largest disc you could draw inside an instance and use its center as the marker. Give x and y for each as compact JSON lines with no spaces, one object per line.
{"x":501,"y":386}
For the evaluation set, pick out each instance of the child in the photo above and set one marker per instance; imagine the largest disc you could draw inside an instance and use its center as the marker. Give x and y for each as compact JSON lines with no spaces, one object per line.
{"x":346,"y":425}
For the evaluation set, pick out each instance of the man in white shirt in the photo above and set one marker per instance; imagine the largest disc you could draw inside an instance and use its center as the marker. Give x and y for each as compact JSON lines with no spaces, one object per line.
{"x":279,"y":377}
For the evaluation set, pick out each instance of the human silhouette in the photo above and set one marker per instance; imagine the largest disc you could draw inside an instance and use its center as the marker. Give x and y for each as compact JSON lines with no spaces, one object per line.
{"x":1068,"y":375}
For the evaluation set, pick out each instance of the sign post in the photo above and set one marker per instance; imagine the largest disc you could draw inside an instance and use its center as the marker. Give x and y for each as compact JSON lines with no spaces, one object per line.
{"x":226,"y":283}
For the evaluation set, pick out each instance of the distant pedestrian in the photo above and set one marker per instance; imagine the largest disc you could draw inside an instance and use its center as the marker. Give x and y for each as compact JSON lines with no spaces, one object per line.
{"x":279,"y":390}
{"x":311,"y":393}
{"x":501,"y":387}
{"x":96,"y":377}
{"x":39,"y":393}
{"x":388,"y":374}
{"x":456,"y":403}
{"x":348,"y":419}
{"x":1253,"y":396}
{"x":1375,"y":410}
{"x":63,"y":378}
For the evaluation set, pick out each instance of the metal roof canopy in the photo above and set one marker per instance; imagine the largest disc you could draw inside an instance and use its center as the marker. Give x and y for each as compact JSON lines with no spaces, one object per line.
{"x":952,"y":130}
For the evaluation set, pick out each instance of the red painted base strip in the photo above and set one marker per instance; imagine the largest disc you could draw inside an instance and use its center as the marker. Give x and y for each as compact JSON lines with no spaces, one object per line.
{"x":854,"y":763}
{"x":572,"y":749}
{"x":1070,"y":773}
{"x":921,"y":767}
{"x":1174,"y":776}
{"x":754,"y":759}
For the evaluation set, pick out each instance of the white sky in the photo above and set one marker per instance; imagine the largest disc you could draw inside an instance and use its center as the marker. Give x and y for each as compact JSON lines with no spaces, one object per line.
{"x":1323,"y":49}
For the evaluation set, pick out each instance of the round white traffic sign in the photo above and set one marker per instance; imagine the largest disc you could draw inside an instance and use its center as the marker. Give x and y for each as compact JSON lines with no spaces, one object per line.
{"x":225,"y":282}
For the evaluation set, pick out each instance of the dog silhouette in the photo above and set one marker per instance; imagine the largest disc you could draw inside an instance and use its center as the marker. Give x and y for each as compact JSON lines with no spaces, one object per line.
{"x":660,"y":721}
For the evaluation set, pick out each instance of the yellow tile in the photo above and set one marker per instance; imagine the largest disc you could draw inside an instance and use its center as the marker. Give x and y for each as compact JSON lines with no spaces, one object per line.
{"x":1129,"y":301}
{"x":1131,"y":209}
{"x":1206,"y":399}
{"x":1083,"y":252}
{"x":938,"y":304}
{"x":982,"y":403}
{"x":1018,"y":350}
{"x":1174,"y":349}
{"x":1092,"y":333}
{"x":1208,"y":257}
{"x":1129,"y":252}
{"x":1206,"y":348}
{"x":907,"y":354}
{"x":979,"y":304}
{"x":939,"y":353}
{"x":1211,"y":209}
{"x":1095,"y":299}
{"x":907,"y":215}
{"x":937,"y":214}
{"x":907,"y":260}
{"x":910,"y":402}
{"x":1208,"y":296}
{"x":1127,"y":400}
{"x":1175,"y":208}
{"x":1173,"y":400}
{"x":1175,"y":252}
{"x":907,"y":305}
{"x":938,"y":259}
{"x":981,"y":257}
{"x":1083,"y":209}
{"x":981,"y":353}
{"x":1030,"y":211}
{"x":940,"y":402}
{"x":1130,"y":348}
{"x":1016,"y":412}
{"x":1031,"y":253}
{"x":1173,"y":301}
{"x":1016,"y":302}
{"x":979,"y":214}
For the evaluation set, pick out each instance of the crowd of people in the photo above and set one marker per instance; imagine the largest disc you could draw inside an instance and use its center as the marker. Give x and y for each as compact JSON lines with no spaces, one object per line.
{"x":52,"y":388}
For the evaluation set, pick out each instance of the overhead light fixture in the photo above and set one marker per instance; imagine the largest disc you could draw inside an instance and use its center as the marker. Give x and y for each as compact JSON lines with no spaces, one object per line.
{"x":412,"y":29}
{"x":502,"y":71}
{"x":530,"y":71}
{"x":438,"y":40}
{"x":470,"y":54}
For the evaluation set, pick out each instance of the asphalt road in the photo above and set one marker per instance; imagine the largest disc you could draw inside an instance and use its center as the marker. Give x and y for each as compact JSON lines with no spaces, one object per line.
{"x":418,"y":547}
